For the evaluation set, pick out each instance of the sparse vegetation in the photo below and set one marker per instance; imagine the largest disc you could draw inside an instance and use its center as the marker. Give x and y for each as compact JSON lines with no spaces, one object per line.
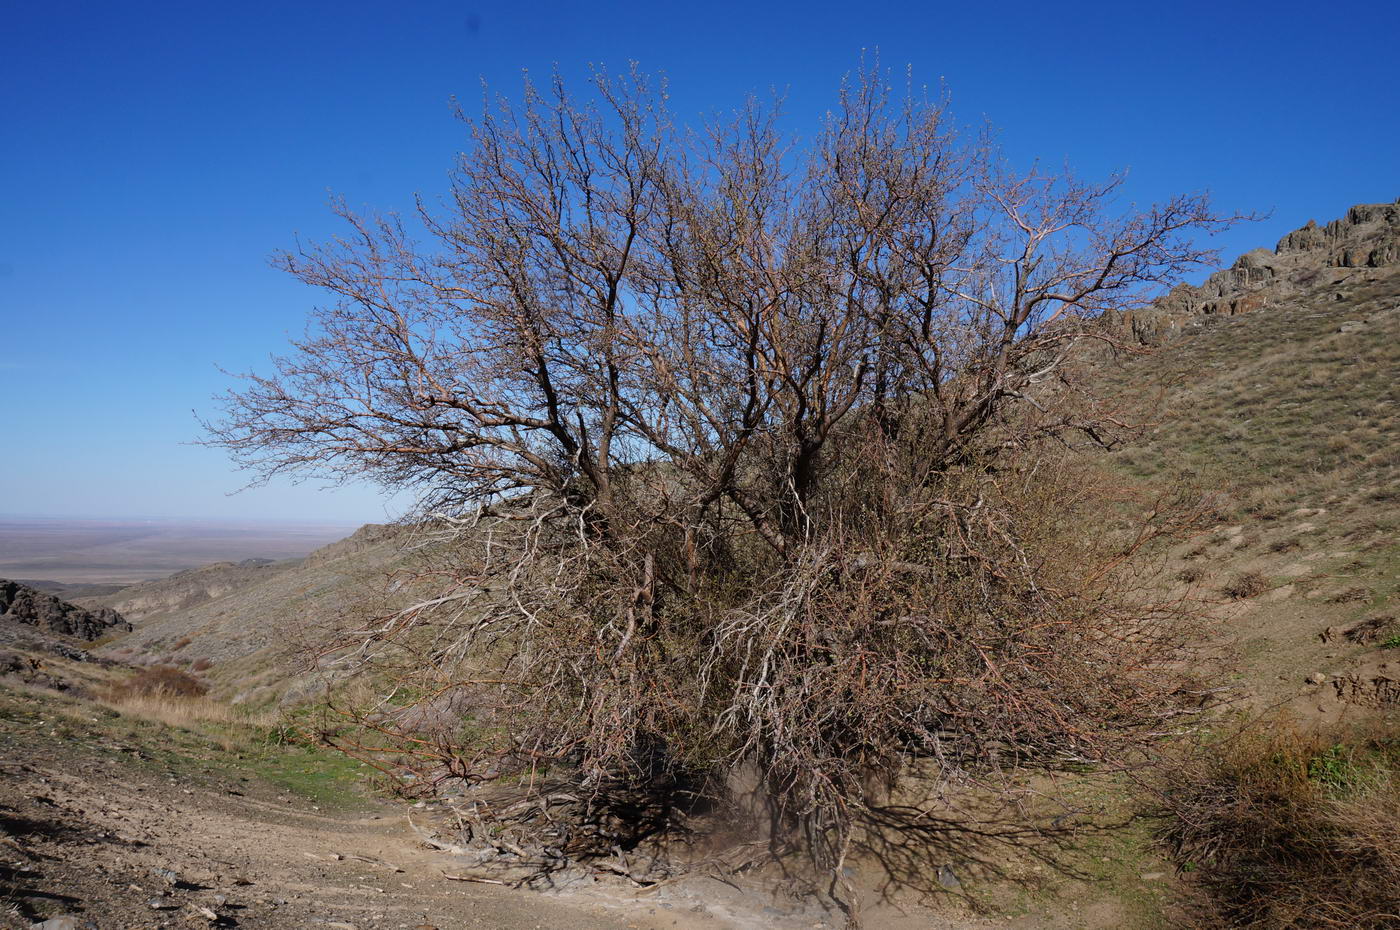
{"x":1353,"y":595}
{"x":1246,"y":585}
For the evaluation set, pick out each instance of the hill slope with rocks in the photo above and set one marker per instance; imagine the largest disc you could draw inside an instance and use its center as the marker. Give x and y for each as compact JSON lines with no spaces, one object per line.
{"x":20,"y":603}
{"x":1330,"y":263}
{"x":1278,"y":390}
{"x":250,"y":626}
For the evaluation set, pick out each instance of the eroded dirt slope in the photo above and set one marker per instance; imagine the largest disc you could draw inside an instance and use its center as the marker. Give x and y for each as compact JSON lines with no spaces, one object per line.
{"x":118,"y":834}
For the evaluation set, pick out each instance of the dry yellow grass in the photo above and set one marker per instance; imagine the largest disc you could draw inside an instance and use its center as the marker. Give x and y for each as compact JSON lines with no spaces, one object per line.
{"x":184,"y":712}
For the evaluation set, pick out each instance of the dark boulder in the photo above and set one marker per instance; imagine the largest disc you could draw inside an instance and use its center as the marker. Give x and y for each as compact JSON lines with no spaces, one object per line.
{"x":19,"y":602}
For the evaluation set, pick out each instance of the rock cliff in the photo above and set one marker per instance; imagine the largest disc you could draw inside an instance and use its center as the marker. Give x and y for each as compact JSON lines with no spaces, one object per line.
{"x":1362,"y":246}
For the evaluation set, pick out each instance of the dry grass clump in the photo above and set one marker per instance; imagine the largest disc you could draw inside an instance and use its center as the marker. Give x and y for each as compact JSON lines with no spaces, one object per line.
{"x":1246,"y":585}
{"x":1371,"y":630}
{"x":175,"y":698}
{"x":1285,"y":829}
{"x":158,"y":681}
{"x":1352,"y":595}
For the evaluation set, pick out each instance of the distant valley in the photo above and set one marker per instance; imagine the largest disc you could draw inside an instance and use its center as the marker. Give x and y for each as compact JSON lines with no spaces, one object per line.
{"x":70,"y":556}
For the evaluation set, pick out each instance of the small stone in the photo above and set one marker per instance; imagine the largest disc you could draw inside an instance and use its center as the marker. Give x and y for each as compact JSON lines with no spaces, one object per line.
{"x":1317,"y":678}
{"x":63,"y":922}
{"x":1153,"y":876}
{"x":947,"y":878}
{"x":162,"y":904}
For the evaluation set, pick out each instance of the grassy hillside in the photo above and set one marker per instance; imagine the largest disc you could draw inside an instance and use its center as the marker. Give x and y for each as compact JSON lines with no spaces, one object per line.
{"x":1291,"y":413}
{"x":248,"y":630}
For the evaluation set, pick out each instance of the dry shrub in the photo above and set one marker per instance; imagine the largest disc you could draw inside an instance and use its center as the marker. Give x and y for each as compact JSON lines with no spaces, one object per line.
{"x":160,"y":681}
{"x":1191,"y":574}
{"x":175,"y":698}
{"x":1353,"y":595}
{"x":1283,"y":829}
{"x":753,"y":451}
{"x":1371,"y":630}
{"x":202,"y":664}
{"x":1245,"y":585}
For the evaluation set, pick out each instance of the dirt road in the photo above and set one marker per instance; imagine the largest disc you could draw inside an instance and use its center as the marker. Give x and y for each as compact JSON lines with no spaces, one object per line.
{"x":90,"y":827}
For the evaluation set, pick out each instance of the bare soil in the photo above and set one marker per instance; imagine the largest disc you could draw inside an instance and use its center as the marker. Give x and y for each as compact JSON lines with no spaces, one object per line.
{"x":90,"y":827}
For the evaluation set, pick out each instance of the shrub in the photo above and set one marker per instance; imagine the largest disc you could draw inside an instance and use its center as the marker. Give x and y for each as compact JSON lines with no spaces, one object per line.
{"x":1376,"y":629}
{"x":1352,"y":595}
{"x":202,"y":664}
{"x":1285,"y":829}
{"x":159,"y":681}
{"x":1248,"y":584}
{"x":757,"y":443}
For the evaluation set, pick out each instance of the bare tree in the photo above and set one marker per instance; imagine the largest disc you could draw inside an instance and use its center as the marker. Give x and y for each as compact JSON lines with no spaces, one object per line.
{"x":747,"y":441}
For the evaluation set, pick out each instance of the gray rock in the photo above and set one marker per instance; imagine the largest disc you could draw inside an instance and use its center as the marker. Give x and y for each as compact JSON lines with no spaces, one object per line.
{"x":1308,"y":259}
{"x":23,"y":604}
{"x":65,"y":922}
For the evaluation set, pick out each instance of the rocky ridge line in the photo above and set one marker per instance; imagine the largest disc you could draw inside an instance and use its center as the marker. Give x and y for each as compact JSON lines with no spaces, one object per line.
{"x":1362,"y":243}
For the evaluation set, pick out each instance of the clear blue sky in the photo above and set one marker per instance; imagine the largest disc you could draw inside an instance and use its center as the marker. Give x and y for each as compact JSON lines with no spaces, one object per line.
{"x":154,"y":154}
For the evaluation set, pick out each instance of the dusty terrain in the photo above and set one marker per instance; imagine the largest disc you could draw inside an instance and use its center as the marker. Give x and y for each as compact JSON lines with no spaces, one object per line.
{"x":95,"y":824}
{"x":123,"y":823}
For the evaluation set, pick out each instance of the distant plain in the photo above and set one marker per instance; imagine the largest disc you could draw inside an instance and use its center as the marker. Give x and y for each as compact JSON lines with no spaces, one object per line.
{"x":75,"y":551}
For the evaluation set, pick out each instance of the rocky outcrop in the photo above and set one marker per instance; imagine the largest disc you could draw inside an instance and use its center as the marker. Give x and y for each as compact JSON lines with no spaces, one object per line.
{"x":22,"y":604}
{"x":1312,"y":257}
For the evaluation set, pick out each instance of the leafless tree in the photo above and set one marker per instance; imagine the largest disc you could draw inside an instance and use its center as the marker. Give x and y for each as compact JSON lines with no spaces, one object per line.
{"x":748,"y":444}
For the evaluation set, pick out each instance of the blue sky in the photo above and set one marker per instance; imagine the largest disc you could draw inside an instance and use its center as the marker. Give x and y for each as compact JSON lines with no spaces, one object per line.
{"x":154,"y":154}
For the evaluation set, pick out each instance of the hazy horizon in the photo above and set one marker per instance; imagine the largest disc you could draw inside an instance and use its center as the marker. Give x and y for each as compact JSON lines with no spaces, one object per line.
{"x":125,"y":551}
{"x":21,"y":516}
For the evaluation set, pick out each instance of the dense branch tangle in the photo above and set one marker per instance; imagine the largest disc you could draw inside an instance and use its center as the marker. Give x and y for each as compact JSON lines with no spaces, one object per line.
{"x":750,"y":435}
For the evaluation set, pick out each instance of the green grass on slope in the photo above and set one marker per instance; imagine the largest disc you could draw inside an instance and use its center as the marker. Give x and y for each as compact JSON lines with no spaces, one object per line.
{"x":200,"y":753}
{"x":1277,"y":406}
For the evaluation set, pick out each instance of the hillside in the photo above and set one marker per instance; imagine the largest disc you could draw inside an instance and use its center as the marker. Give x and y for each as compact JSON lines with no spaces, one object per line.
{"x":1278,"y":386}
{"x":187,"y":588}
{"x":246,"y":624}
